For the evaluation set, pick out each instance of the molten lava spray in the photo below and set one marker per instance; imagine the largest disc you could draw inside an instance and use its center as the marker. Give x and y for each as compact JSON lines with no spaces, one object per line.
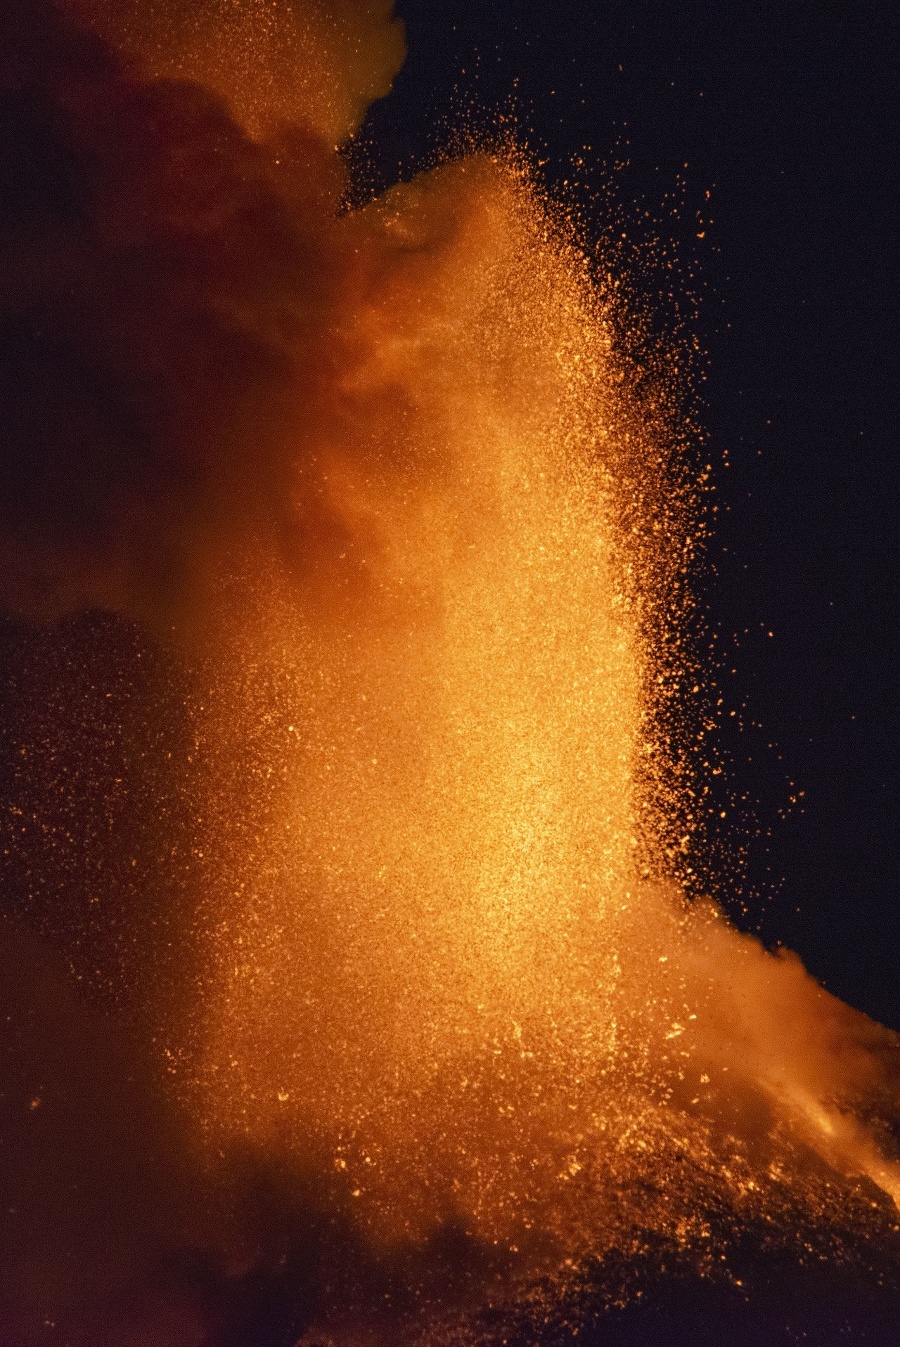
{"x":452,"y":968}
{"x":442,"y":971}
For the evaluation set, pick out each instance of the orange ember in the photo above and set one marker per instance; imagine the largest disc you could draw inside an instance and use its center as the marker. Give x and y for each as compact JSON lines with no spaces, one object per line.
{"x":453,"y":971}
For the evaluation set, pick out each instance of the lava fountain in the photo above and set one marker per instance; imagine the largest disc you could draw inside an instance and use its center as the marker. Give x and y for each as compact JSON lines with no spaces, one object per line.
{"x":454,"y":968}
{"x":443,"y":974}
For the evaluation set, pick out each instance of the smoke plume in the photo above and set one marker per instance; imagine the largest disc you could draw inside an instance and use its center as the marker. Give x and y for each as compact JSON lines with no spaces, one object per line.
{"x":172,"y":298}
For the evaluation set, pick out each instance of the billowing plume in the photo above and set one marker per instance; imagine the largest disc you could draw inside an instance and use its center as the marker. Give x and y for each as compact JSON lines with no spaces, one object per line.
{"x":317,"y":63}
{"x":171,"y":295}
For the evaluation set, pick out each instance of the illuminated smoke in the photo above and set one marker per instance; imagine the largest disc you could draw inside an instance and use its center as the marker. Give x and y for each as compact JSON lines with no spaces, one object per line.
{"x":386,"y":474}
{"x":276,"y":62}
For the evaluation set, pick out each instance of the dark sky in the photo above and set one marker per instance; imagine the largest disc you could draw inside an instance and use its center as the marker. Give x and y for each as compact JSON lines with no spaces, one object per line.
{"x":787,"y":114}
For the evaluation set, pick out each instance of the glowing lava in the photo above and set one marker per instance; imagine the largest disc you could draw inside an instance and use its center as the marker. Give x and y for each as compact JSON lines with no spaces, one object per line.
{"x":455,"y":977}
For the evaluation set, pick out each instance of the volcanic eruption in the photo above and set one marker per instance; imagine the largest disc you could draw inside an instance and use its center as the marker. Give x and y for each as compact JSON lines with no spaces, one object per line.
{"x":354,"y":990}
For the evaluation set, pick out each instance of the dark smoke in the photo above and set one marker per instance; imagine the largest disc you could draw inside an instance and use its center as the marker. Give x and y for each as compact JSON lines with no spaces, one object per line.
{"x":171,"y":292}
{"x":167,"y":291}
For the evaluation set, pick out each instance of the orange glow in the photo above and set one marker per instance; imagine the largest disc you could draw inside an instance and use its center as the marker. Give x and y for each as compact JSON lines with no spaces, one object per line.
{"x":453,"y":971}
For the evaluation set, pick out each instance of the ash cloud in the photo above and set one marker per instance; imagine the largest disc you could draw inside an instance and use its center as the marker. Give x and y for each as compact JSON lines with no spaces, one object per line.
{"x":169,"y":291}
{"x":172,"y":277}
{"x":319,"y":62}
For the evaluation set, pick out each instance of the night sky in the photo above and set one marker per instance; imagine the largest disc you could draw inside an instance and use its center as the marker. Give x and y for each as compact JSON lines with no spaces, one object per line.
{"x":787,"y":114}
